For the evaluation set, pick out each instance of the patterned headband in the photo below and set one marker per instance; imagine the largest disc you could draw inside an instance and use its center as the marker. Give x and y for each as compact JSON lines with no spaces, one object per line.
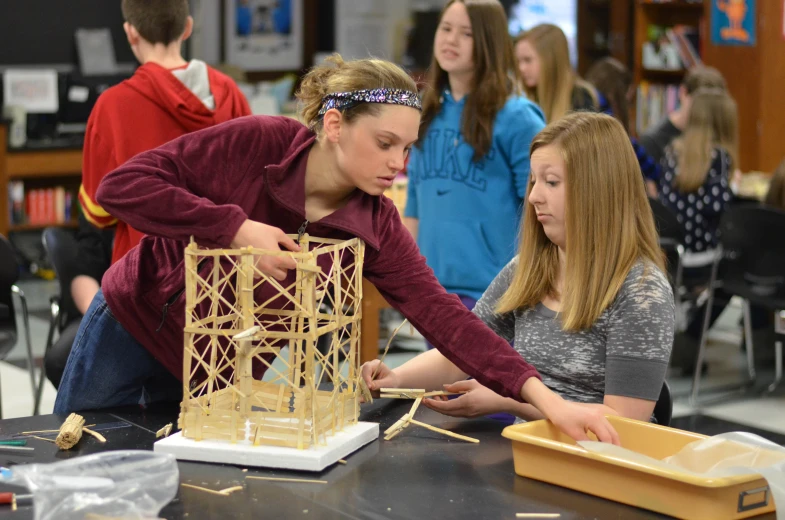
{"x":390,"y":96}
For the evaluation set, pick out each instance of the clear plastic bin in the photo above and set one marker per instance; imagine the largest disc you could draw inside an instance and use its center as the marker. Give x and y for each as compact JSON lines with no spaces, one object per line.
{"x":542,"y":452}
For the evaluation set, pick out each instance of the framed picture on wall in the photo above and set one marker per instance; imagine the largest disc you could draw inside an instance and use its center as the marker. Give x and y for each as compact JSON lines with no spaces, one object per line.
{"x":264,"y":34}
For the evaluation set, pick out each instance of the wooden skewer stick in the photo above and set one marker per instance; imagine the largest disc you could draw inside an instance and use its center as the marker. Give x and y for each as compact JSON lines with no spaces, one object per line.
{"x":402,"y":390}
{"x":415,"y":406}
{"x":537,"y":515}
{"x":211,"y":491}
{"x":164,"y":432}
{"x":397,"y":424}
{"x":341,"y":461}
{"x":97,"y":435}
{"x":52,"y":431}
{"x":281,"y":479}
{"x":444,"y":432}
{"x":70,"y":432}
{"x":247,"y":333}
{"x":386,"y":348}
{"x":366,"y":393}
{"x":230,"y":490}
{"x":439,"y":392}
{"x":43,"y":439}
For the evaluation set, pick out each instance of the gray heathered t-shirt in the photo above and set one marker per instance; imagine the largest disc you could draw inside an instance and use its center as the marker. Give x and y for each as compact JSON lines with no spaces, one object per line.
{"x":624,"y":353}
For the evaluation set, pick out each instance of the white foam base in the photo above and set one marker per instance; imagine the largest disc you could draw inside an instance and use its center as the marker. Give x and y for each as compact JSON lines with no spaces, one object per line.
{"x":315,"y":458}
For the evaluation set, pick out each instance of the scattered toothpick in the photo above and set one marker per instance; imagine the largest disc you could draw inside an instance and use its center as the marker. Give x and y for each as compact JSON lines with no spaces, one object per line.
{"x":363,"y":386}
{"x":164,"y":432}
{"x":386,"y":348}
{"x":341,"y":461}
{"x":281,"y":479}
{"x":43,"y":439}
{"x":223,"y":492}
{"x":445,"y":432}
{"x":97,"y":435}
{"x":52,"y":431}
{"x":418,"y":395}
{"x":537,"y":515}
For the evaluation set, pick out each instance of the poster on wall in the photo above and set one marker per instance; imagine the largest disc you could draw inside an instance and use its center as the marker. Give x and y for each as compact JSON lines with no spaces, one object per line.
{"x":264,"y":34}
{"x":733,"y":22}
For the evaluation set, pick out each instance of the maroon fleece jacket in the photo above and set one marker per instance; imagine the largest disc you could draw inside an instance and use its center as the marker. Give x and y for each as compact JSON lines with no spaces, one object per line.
{"x":206,"y":184}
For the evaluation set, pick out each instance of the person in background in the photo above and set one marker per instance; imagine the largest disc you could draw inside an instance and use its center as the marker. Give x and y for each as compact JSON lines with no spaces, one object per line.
{"x":613,"y":82}
{"x":656,"y":139}
{"x":775,"y":197}
{"x":549,"y":79}
{"x":167,"y":97}
{"x":92,"y":258}
{"x":587,"y":295}
{"x":695,"y":185}
{"x":469,"y":170}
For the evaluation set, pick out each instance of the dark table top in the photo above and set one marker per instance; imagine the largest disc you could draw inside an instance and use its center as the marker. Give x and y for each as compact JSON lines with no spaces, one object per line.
{"x":418,"y":474}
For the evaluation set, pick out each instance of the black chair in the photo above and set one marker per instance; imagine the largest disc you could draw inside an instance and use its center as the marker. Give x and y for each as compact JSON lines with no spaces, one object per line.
{"x":663,"y":410}
{"x":9,"y":275}
{"x":89,"y":251}
{"x":61,"y":248}
{"x":751,"y":266}
{"x":671,"y":234}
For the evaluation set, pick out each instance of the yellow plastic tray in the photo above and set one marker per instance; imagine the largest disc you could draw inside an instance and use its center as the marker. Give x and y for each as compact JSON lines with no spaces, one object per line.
{"x":542,"y":452}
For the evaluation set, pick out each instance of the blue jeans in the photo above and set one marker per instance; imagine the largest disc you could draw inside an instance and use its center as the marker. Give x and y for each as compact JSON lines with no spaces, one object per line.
{"x":107,"y":367}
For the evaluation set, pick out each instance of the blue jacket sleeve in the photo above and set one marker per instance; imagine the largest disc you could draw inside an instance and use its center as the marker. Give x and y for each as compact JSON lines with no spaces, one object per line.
{"x":518,"y":122}
{"x":411,"y":188}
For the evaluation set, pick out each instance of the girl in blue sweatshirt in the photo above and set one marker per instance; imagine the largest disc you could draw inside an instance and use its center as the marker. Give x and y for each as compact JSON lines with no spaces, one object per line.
{"x":469,"y":170}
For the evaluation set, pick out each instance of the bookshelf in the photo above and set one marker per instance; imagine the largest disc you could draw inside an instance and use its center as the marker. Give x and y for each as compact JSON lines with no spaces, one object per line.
{"x":665,"y":14}
{"x":39,"y":169}
{"x":603,"y":30}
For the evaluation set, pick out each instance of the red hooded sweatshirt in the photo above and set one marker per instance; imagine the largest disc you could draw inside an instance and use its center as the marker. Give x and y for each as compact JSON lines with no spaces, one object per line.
{"x":149,"y":109}
{"x":208,"y":183}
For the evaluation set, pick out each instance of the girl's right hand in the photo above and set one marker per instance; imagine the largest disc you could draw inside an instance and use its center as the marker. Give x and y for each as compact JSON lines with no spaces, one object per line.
{"x":571,"y":418}
{"x":262,"y":236}
{"x":576,"y":421}
{"x":385,"y":378}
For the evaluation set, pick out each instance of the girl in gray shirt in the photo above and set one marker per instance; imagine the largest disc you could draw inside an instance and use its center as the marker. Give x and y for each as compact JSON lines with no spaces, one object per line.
{"x":586,"y":299}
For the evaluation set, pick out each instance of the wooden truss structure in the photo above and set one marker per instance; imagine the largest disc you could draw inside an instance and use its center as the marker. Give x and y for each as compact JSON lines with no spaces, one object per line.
{"x":239,"y":319}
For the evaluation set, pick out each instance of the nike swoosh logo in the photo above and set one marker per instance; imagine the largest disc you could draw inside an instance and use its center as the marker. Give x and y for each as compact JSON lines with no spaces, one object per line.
{"x":442,"y":192}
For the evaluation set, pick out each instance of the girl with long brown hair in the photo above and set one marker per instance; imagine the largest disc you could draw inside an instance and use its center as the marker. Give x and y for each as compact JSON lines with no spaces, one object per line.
{"x":613,"y":82}
{"x":549,"y":80}
{"x":586,"y":297}
{"x":469,"y":170}
{"x":695,"y":181}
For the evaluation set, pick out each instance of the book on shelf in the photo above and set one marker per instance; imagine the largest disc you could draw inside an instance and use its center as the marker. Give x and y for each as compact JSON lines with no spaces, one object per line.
{"x":39,"y":207}
{"x":653,"y":103}
{"x":671,"y":48}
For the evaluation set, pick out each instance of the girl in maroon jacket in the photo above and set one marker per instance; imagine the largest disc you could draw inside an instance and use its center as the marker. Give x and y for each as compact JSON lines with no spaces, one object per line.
{"x":250,"y":181}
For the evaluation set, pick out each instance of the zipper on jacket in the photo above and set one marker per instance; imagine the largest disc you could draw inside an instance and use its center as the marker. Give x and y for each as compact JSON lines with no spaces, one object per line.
{"x":301,"y":231}
{"x":170,"y":301}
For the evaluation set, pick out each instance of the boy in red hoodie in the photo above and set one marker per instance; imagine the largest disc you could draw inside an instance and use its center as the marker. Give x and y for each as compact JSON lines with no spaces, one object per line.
{"x":167,"y":97}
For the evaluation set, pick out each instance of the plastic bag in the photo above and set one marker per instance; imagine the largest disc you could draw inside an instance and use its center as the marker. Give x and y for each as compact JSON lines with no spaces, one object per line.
{"x":725,"y":455}
{"x":121,"y":484}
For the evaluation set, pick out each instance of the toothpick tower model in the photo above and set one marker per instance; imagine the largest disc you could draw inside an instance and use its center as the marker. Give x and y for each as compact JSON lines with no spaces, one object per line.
{"x":308,"y":409}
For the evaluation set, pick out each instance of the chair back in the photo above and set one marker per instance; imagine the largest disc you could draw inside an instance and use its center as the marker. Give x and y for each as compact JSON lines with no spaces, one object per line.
{"x":663,"y":410}
{"x":9,"y":275}
{"x":753,"y":254}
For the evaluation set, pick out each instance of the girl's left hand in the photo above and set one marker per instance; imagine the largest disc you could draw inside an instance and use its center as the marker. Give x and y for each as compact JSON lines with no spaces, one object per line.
{"x":476,"y":400}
